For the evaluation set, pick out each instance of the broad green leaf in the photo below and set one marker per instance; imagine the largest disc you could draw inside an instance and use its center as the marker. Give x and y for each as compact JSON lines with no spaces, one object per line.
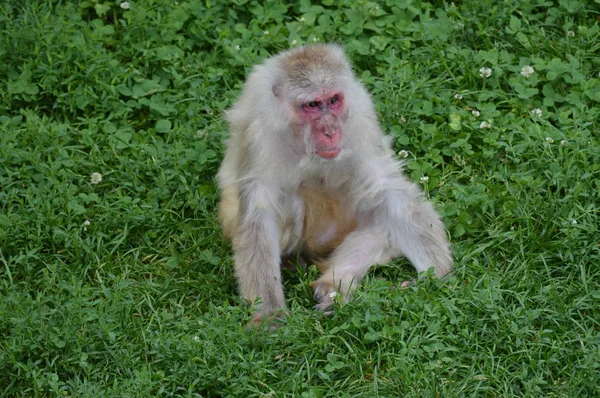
{"x":454,"y":121}
{"x":163,"y":126}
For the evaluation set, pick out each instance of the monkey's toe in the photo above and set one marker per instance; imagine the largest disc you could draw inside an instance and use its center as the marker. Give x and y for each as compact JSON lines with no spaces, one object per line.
{"x":408,"y":283}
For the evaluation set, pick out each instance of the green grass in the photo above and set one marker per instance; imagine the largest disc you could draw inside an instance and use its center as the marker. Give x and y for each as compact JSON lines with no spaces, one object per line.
{"x":142,"y":301}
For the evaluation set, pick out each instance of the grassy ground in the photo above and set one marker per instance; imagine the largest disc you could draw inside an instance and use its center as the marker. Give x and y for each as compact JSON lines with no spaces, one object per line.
{"x":124,"y":286}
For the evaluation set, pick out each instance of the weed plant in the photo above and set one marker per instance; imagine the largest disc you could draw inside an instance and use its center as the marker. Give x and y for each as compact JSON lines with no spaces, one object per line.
{"x":114,"y":277}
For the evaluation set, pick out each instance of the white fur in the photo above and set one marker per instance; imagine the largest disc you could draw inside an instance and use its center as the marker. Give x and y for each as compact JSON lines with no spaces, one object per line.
{"x":269,"y":155}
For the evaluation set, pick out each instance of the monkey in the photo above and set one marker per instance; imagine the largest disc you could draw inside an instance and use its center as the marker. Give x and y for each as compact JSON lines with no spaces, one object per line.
{"x":307,"y":167}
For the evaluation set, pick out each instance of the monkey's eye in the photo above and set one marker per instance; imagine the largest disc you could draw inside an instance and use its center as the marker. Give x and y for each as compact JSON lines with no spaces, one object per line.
{"x":333,"y":100}
{"x":312,"y":104}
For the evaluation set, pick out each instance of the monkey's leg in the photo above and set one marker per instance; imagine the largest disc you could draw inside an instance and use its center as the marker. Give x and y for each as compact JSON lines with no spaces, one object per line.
{"x":257,"y":252}
{"x":349,"y":264}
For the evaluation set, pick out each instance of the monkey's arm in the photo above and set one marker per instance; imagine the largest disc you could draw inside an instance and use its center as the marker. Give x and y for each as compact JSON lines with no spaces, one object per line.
{"x":411,"y":224}
{"x":393,"y":220}
{"x":414,"y":228}
{"x":256,"y":246}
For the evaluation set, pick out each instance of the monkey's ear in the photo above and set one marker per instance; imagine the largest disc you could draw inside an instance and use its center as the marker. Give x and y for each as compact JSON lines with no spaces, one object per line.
{"x":276,"y":89}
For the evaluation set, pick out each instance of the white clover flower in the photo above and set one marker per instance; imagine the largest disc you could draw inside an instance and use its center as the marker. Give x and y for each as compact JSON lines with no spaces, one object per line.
{"x":125,"y":5}
{"x":86,"y":224}
{"x":403,"y":154}
{"x":485,"y":72}
{"x":302,"y":19}
{"x":485,"y":125}
{"x":294,"y":42}
{"x":196,"y":338}
{"x":333,"y":295}
{"x":549,"y":140}
{"x":475,"y":113}
{"x":537,"y":112}
{"x":571,"y":33}
{"x":266,"y":32}
{"x":96,"y":178}
{"x":564,"y":143}
{"x":237,"y":47}
{"x":424,"y":179}
{"x":457,"y":96}
{"x":527,"y":71}
{"x":573,"y":222}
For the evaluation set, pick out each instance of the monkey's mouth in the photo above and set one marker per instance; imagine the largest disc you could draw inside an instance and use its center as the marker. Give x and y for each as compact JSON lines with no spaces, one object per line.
{"x":329,"y":154}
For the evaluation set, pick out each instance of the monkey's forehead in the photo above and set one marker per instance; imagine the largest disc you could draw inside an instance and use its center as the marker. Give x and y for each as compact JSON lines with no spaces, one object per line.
{"x":311,"y":58}
{"x":314,"y":66}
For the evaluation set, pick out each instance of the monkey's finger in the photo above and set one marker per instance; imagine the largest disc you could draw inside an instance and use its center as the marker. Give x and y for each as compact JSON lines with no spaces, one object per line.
{"x":325,"y":306}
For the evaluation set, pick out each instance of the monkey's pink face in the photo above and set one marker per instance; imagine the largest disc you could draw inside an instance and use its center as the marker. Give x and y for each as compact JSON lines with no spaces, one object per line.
{"x":323,"y":114}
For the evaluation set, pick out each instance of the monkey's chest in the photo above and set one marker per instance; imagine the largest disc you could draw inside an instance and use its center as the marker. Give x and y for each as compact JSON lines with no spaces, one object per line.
{"x":328,"y":219}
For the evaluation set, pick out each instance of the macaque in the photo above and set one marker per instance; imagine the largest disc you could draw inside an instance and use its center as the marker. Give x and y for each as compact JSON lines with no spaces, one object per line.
{"x":308,"y":168}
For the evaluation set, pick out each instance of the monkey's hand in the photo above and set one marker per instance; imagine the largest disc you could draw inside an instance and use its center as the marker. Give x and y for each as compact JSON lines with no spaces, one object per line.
{"x":326,"y":296}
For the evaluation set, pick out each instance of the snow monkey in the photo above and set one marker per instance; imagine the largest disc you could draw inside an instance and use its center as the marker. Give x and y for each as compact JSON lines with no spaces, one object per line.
{"x":308,"y":168}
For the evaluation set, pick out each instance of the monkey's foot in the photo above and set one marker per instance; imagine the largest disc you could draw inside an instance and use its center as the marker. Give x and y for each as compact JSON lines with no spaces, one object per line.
{"x":273,"y":319}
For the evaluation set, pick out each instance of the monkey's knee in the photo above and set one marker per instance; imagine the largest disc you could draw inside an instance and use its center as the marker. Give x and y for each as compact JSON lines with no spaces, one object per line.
{"x":428,"y":245}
